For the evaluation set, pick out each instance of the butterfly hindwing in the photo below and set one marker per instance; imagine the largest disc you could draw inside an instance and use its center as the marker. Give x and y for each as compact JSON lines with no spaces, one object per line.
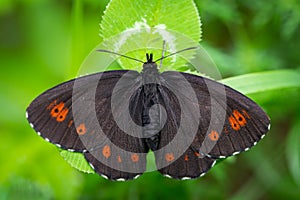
{"x":188,"y":166}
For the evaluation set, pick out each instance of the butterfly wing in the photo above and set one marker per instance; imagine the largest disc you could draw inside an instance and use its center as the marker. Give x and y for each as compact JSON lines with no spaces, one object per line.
{"x":228,"y":123}
{"x":78,"y":115}
{"x":50,"y":115}
{"x":178,"y":150}
{"x":188,"y":166}
{"x":236,"y":122}
{"x":121,"y":155}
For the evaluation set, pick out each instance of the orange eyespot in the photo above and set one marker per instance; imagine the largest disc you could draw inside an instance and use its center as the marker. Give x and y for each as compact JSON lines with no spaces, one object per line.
{"x":135,"y":157}
{"x":62,"y":115}
{"x":81,"y":129}
{"x":239,"y":117}
{"x":57,"y":109}
{"x":213,"y":136}
{"x":234,"y":124}
{"x":106,"y":151}
{"x":169,"y":157}
{"x":186,"y":157}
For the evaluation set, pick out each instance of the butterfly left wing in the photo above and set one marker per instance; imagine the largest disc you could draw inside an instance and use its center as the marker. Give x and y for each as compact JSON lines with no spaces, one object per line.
{"x":178,"y":155}
{"x":236,"y":123}
{"x":229,"y":123}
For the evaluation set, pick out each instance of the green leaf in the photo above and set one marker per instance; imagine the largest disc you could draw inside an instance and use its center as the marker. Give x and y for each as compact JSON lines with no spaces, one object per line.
{"x":151,"y":166}
{"x":293,"y":151}
{"x":146,"y":25}
{"x":77,"y":161}
{"x":153,"y":13}
{"x":263,"y":81}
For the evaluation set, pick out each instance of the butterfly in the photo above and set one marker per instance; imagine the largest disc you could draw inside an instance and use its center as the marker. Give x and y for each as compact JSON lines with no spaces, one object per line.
{"x":116,"y":117}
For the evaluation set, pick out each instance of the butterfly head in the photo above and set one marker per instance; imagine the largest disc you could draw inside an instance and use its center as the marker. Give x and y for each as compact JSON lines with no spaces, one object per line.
{"x":149,"y":58}
{"x":150,"y":67}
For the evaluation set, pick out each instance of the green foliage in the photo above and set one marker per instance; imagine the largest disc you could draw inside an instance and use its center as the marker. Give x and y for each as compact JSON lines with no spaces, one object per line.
{"x":264,"y":81}
{"x":77,"y":161}
{"x":144,"y":27}
{"x":293,"y":151}
{"x":253,"y":43}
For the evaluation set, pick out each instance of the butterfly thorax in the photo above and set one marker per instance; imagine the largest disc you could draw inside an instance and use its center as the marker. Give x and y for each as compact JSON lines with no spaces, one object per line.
{"x":150,"y":78}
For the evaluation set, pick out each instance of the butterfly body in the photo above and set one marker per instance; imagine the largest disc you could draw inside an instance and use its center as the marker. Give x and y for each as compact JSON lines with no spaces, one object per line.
{"x":114,"y":118}
{"x":150,"y":91}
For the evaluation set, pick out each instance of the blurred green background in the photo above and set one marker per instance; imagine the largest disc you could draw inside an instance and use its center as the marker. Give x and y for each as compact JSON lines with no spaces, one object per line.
{"x":43,"y":42}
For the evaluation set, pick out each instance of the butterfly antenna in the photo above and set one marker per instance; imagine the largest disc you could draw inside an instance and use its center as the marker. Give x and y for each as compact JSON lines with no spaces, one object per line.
{"x":162,"y":54}
{"x":111,"y":52}
{"x":186,"y":49}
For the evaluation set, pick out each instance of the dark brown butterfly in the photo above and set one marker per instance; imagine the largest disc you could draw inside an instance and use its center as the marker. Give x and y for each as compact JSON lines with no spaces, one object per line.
{"x":115,"y":117}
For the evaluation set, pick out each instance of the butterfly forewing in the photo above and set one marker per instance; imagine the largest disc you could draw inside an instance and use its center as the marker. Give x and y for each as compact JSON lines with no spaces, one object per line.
{"x":244,"y":122}
{"x":50,"y":114}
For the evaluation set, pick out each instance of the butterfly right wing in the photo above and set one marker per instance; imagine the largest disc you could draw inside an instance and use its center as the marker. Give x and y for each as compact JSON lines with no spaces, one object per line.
{"x":51,"y":113}
{"x":76,"y":116}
